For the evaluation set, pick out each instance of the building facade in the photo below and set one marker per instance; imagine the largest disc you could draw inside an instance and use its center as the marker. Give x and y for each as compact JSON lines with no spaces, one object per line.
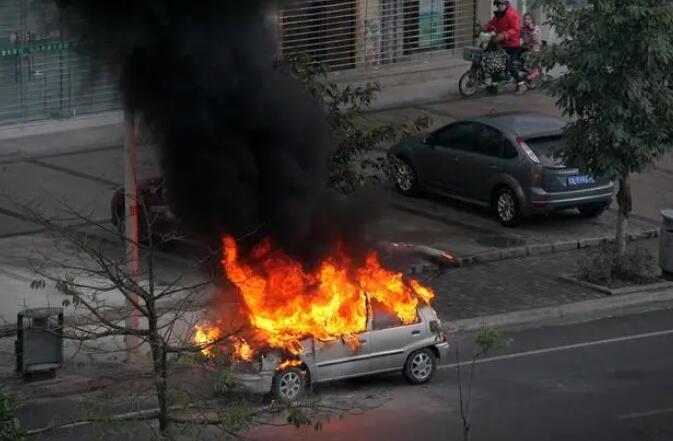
{"x":44,"y":76}
{"x":41,"y":75}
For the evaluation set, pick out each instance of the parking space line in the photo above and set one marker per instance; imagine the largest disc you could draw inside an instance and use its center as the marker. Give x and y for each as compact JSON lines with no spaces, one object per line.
{"x":74,"y":173}
{"x":565,"y":347}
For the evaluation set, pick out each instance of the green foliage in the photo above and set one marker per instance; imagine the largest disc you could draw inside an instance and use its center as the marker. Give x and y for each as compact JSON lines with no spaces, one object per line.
{"x":617,"y":88}
{"x":354,"y":163}
{"x":298,"y":418}
{"x":224,"y":379}
{"x":489,"y":340}
{"x":604,"y":266}
{"x":237,"y":417}
{"x":10,"y":428}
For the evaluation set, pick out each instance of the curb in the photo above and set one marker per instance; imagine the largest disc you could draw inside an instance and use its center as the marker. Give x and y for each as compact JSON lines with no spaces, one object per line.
{"x":662,"y":284}
{"x":582,"y":310}
{"x":428,"y":265}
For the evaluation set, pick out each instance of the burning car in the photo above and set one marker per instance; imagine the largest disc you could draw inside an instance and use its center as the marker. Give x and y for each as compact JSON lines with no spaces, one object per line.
{"x":343,"y":318}
{"x":387,"y":345}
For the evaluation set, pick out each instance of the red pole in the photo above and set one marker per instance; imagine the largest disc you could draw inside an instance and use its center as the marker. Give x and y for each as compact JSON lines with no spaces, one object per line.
{"x":131,"y":229}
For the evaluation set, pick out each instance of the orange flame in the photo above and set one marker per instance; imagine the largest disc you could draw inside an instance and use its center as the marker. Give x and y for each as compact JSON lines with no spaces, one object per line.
{"x":283,"y":303}
{"x":205,"y":336}
{"x":242,"y":350}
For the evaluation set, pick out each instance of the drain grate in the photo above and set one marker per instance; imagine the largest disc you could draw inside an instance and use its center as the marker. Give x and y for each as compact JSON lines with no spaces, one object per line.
{"x":501,"y":241}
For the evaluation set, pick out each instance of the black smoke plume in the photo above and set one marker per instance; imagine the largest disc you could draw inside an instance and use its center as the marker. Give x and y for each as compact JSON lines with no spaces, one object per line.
{"x":243,"y":146}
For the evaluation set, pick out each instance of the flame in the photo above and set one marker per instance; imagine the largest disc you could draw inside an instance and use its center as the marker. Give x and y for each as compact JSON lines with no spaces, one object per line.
{"x":205,"y":336}
{"x":288,"y":363}
{"x":284,"y":303}
{"x":242,"y":350}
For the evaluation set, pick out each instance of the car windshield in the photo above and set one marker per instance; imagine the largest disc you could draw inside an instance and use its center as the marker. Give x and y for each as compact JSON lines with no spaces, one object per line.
{"x":547,"y":148}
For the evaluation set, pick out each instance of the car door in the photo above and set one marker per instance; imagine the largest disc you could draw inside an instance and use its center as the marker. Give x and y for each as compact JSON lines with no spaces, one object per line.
{"x":339,"y":358}
{"x":389,"y":339}
{"x":449,"y":143}
{"x":482,"y":160}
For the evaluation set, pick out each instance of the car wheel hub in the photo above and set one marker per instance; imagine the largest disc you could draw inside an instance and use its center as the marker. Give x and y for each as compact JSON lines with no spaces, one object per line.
{"x":404,"y":176}
{"x":290,"y":385}
{"x":421,"y":366}
{"x":506,"y":207}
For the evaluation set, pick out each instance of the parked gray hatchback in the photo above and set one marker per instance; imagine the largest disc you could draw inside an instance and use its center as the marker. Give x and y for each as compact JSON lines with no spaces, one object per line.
{"x":504,"y":161}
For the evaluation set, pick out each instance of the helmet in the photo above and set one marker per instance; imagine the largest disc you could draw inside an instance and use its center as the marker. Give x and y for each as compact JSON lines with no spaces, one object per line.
{"x":500,"y":2}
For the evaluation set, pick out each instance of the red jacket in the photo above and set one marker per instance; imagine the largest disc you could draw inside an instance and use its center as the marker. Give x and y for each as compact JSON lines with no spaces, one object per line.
{"x":510,"y":24}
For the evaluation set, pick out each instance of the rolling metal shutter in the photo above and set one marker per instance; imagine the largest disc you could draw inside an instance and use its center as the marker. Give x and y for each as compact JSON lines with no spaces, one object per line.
{"x":42,"y":76}
{"x":347,"y":34}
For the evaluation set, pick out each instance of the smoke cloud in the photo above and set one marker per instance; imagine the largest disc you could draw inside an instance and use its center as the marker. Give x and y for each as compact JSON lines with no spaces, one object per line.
{"x":243,"y":145}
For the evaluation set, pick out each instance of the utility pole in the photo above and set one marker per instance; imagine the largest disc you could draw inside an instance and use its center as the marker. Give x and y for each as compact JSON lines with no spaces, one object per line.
{"x":131,"y":229}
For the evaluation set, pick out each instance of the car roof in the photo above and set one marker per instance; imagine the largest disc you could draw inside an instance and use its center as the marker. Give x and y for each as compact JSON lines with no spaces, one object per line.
{"x":525,"y":124}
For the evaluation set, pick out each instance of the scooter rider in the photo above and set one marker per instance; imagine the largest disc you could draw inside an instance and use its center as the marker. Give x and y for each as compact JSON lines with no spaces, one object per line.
{"x":506,"y":24}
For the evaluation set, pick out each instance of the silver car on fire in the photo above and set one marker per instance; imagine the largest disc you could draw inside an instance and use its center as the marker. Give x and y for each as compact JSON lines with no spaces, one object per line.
{"x":387,"y":345}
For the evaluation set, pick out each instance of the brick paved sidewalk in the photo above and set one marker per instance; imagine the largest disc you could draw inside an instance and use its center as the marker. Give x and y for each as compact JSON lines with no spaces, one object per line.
{"x":514,"y":284}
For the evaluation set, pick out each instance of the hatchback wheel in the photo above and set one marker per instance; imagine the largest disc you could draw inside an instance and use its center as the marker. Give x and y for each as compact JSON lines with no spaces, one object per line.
{"x":420,"y":366}
{"x":289,"y":385}
{"x":406,"y":180}
{"x":506,"y":206}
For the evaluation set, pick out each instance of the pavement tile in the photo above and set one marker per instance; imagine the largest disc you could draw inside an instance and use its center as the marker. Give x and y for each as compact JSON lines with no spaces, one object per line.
{"x":513,"y":285}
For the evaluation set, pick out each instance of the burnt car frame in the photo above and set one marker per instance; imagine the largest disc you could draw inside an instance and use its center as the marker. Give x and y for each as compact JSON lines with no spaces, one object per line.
{"x":386,"y":346}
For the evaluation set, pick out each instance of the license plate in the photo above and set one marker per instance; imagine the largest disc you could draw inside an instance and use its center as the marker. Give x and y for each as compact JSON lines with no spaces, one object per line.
{"x":580,"y":180}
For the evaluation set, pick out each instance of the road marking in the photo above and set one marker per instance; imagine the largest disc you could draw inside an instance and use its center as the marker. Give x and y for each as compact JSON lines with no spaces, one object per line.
{"x":645,"y":414}
{"x":75,"y":173}
{"x":564,"y":348}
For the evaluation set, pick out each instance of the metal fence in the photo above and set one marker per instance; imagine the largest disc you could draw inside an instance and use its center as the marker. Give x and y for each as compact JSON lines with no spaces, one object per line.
{"x":347,"y":34}
{"x":42,"y":76}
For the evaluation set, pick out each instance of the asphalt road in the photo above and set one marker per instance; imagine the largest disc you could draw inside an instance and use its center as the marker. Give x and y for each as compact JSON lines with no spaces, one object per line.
{"x":608,"y":379}
{"x":605,"y":380}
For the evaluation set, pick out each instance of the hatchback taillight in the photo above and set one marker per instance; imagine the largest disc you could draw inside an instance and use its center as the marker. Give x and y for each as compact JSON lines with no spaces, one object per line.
{"x":528,"y":151}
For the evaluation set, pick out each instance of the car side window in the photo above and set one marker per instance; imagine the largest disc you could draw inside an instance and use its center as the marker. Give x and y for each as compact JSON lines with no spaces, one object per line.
{"x":383,"y":318}
{"x":509,"y":151}
{"x":457,"y":136}
{"x":489,"y":141}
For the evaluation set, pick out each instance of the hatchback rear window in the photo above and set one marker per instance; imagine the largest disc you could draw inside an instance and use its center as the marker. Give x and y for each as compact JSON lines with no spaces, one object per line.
{"x":547,"y":149}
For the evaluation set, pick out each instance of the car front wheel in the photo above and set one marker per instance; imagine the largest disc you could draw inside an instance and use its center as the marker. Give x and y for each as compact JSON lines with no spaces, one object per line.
{"x":289,"y":385}
{"x":406,"y":179}
{"x":420,"y":366}
{"x":506,"y":207}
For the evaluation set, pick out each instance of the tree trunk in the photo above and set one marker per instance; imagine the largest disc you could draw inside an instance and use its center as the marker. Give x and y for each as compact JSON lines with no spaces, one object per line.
{"x":160,"y":383}
{"x":159,"y":367}
{"x":466,"y":431}
{"x":625,"y":205}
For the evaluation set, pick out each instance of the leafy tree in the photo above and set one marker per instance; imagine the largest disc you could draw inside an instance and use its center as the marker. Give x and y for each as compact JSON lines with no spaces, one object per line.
{"x":617,"y":88}
{"x":355,"y":162}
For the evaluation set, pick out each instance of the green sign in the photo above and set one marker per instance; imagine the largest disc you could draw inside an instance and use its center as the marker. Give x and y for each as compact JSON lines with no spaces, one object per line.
{"x":430,"y":23}
{"x":46,"y":47}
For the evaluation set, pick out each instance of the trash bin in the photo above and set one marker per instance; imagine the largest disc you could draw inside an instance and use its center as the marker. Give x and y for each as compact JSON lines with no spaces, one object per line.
{"x":39,"y":342}
{"x":666,"y":244}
